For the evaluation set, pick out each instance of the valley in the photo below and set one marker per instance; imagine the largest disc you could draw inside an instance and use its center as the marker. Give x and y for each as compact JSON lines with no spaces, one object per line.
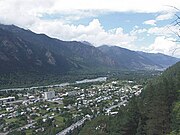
{"x":32,"y":112}
{"x":89,"y":67}
{"x":54,"y":87}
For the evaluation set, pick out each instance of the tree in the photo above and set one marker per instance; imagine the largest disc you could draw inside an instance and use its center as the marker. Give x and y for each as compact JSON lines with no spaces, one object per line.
{"x":176,"y":24}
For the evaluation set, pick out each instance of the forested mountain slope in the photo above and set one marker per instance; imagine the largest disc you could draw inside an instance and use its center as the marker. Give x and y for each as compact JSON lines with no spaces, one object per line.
{"x":159,"y":58}
{"x":24,"y":50}
{"x":28,"y":58}
{"x":155,"y":112}
{"x":132,"y":60}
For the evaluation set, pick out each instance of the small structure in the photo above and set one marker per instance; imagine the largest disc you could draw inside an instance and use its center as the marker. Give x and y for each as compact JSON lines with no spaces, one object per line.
{"x":7,"y":99}
{"x":49,"y":95}
{"x":72,"y":93}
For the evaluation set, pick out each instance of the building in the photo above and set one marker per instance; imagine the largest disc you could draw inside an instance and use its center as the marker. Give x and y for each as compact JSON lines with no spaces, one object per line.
{"x":7,"y":99}
{"x":72,"y":93}
{"x":49,"y":95}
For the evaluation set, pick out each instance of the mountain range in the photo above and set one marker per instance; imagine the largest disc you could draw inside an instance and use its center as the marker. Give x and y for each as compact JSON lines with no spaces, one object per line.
{"x":24,"y":50}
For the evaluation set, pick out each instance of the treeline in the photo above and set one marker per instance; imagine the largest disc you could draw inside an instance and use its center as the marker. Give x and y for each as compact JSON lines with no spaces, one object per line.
{"x":38,"y":79}
{"x":155,"y":112}
{"x":158,"y":101}
{"x":28,"y":79}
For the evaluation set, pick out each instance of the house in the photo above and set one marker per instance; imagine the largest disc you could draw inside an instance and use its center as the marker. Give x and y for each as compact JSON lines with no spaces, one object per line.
{"x":72,"y":93}
{"x":7,"y":99}
{"x":49,"y":95}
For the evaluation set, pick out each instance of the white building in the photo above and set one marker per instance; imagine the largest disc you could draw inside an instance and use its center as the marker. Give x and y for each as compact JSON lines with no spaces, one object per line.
{"x":7,"y":99}
{"x":49,"y":95}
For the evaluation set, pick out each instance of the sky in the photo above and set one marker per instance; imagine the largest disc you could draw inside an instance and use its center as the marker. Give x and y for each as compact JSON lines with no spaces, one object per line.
{"x":140,"y":25}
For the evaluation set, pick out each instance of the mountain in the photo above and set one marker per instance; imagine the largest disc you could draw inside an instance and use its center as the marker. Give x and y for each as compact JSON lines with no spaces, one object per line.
{"x":86,"y":43}
{"x":164,"y":60}
{"x":17,"y":54}
{"x":24,"y":50}
{"x":132,"y":60}
{"x":29,"y":58}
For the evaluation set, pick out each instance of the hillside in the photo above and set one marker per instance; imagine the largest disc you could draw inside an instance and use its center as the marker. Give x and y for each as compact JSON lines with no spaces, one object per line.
{"x":128,"y":59}
{"x":17,"y":54}
{"x":154,"y":112}
{"x":59,"y":56}
{"x":159,"y":58}
{"x":28,"y":58}
{"x":38,"y":52}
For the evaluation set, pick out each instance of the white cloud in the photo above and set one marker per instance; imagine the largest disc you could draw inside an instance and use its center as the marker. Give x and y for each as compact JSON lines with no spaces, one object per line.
{"x":150,"y":22}
{"x":165,"y":16}
{"x":164,"y":45}
{"x":31,"y":14}
{"x":29,"y":11}
{"x":93,"y":32}
{"x":137,"y":30}
{"x":167,"y":30}
{"x":159,"y":31}
{"x":22,"y":13}
{"x":116,"y":5}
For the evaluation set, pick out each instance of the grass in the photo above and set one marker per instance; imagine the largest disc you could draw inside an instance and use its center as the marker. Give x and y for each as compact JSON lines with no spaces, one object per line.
{"x":2,"y":111}
{"x":28,"y":132}
{"x":11,"y":120}
{"x":59,"y":120}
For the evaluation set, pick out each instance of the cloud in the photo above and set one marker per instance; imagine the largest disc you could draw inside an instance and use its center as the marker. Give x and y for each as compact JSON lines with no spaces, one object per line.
{"x":164,"y":45}
{"x":165,"y":16}
{"x":159,"y":31}
{"x":30,"y":11}
{"x":36,"y":16}
{"x":93,"y":32}
{"x":138,"y":30}
{"x":22,"y":13}
{"x":167,"y":30}
{"x":114,"y":5}
{"x":150,"y":22}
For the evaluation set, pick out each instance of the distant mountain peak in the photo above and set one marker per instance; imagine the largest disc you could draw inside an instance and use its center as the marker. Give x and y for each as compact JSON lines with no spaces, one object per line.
{"x":138,"y":60}
{"x":24,"y":50}
{"x":87,"y":43}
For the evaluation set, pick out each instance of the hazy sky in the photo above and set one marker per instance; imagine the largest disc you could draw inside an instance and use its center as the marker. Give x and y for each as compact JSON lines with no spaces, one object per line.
{"x":134,"y":24}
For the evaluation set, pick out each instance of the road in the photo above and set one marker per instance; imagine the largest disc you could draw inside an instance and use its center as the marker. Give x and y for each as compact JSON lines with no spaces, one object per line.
{"x":26,"y":126}
{"x":118,"y":105}
{"x":19,"y":129}
{"x":4,"y":133}
{"x":72,"y":127}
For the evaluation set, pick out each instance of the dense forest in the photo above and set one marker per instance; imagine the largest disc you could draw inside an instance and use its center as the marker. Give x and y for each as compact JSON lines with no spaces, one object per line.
{"x":155,"y":112}
{"x":26,"y":79}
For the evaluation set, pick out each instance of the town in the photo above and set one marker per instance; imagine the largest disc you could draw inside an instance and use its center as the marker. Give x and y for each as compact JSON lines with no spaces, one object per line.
{"x":60,"y":109}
